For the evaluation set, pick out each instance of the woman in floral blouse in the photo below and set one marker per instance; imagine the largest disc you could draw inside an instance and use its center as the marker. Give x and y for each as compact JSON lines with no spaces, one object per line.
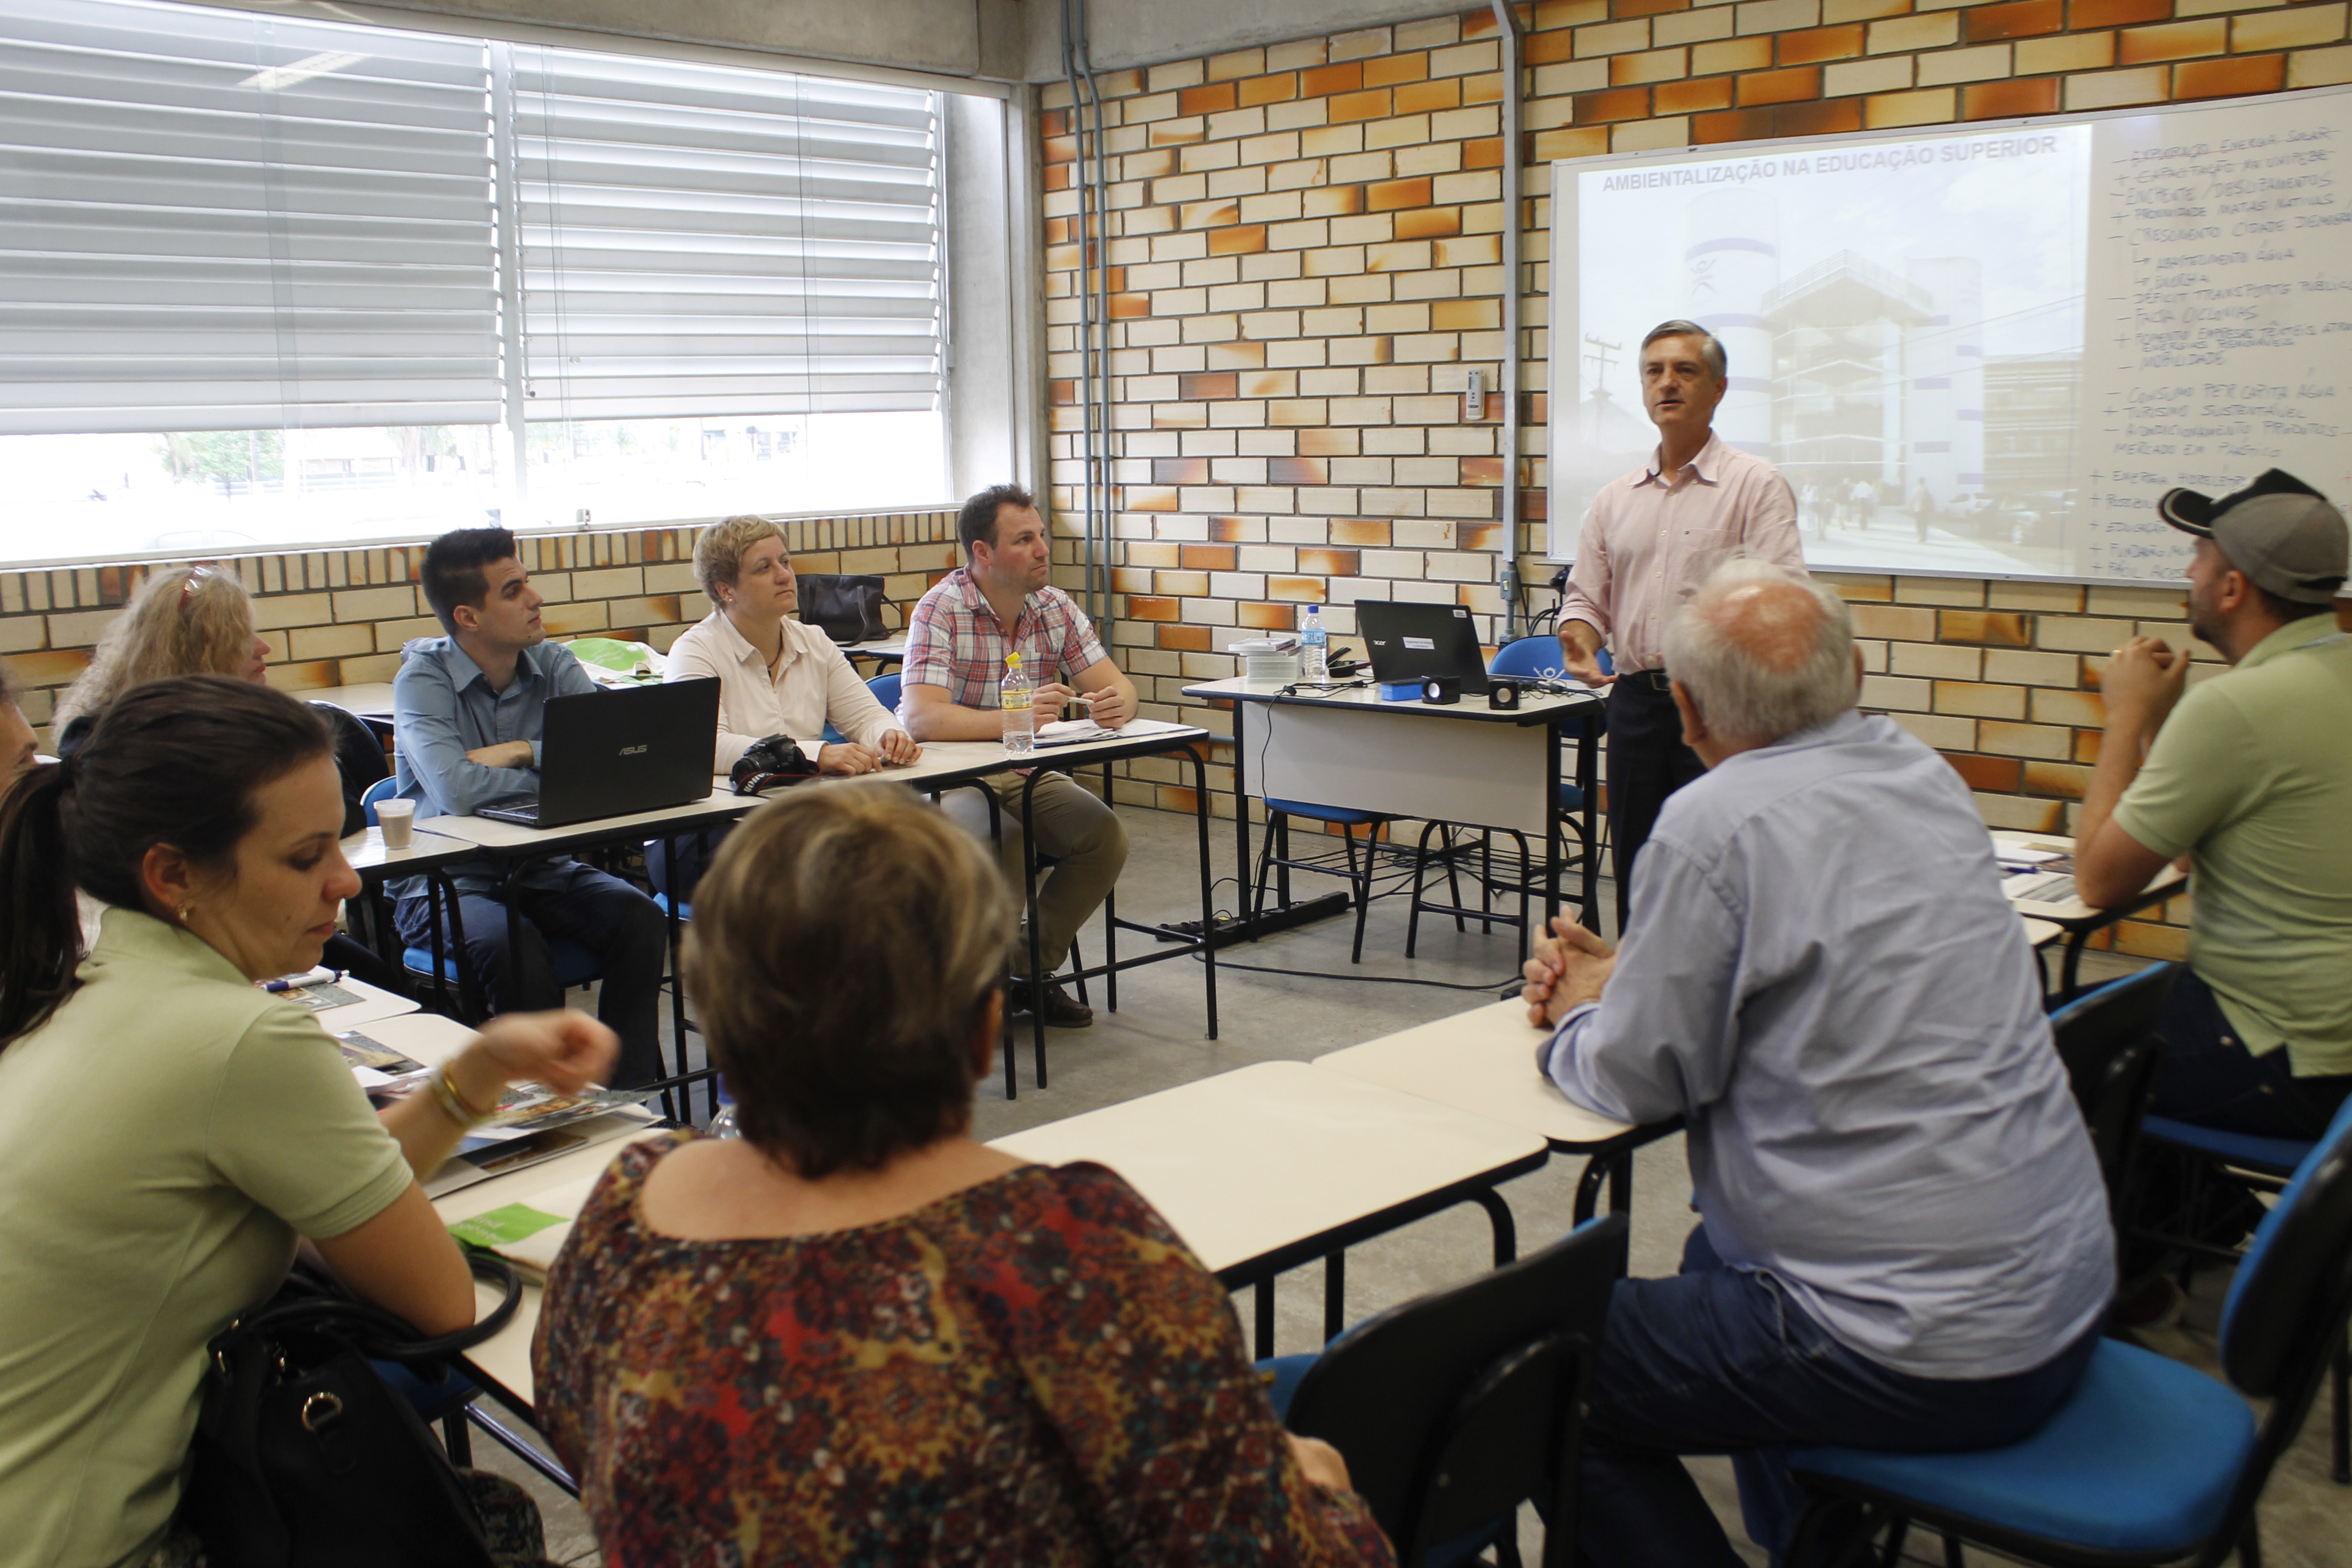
{"x":855,"y":1335}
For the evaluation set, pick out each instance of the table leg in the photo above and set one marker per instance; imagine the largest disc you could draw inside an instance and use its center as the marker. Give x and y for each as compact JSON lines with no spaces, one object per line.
{"x":676,"y":931}
{"x":1208,"y":887}
{"x":1506,"y":1229}
{"x":1588,"y":779}
{"x":1110,"y":914}
{"x":1553,"y":848}
{"x":1029,"y":881}
{"x":1242,"y":895}
{"x":2069,"y":971}
{"x":1587,"y":1188}
{"x":1334,"y":1295}
{"x":1263,"y":1293}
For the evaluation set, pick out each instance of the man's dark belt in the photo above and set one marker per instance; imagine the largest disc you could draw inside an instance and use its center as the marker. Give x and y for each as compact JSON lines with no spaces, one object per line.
{"x":1643,"y":679}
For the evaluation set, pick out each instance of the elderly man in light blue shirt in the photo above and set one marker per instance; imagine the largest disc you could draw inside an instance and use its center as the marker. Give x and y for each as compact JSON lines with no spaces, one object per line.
{"x":467,"y":712}
{"x":1904,"y":1239}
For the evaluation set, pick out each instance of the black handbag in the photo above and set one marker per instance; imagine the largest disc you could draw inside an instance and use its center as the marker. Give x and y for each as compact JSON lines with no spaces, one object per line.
{"x":846,"y":609}
{"x":304,"y":1458}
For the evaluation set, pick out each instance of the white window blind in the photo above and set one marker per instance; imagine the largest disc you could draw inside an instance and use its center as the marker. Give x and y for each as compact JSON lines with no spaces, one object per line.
{"x":222,"y":221}
{"x":705,"y":241}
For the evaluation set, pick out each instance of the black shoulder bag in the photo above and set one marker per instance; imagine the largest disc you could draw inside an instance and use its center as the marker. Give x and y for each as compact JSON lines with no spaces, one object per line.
{"x":305,"y":1458}
{"x":845,"y":609}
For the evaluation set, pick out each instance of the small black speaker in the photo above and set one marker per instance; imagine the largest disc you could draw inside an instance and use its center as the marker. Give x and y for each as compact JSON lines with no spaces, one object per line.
{"x":1442,"y":689}
{"x":1503,"y":694}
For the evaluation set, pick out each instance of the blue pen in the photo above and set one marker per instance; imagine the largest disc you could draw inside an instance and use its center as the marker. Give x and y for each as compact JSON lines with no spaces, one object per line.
{"x":280,"y":987}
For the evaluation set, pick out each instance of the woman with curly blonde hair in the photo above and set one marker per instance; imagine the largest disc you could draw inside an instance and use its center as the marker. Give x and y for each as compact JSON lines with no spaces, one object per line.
{"x":183,"y":620}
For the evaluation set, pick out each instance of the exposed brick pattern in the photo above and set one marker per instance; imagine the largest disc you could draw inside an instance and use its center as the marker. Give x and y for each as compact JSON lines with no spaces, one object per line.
{"x":336,"y":618}
{"x":1303,"y":258}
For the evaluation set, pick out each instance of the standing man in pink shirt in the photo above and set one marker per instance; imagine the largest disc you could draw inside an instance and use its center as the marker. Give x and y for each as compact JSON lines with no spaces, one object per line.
{"x":1650,"y":540}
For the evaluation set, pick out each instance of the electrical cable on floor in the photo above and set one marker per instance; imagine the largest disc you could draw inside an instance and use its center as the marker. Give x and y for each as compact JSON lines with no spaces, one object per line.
{"x":1223,"y":915}
{"x":1490,"y":985}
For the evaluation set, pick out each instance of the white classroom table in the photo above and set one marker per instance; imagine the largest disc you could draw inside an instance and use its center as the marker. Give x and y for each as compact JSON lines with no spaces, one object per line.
{"x":1258,"y":1170}
{"x":2076,"y":920}
{"x":373,"y":1004}
{"x":1484,"y":1062}
{"x":1464,"y":763}
{"x":428,"y":1039}
{"x":1266,"y":1167}
{"x":368,"y":699}
{"x":501,"y":1364}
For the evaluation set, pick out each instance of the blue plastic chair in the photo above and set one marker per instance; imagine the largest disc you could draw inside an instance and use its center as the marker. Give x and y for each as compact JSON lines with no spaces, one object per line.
{"x":2248,"y":1162}
{"x":573,"y":964}
{"x":1274,"y":856}
{"x":1527,"y":658}
{"x":2149,"y":1461}
{"x":886,"y":689}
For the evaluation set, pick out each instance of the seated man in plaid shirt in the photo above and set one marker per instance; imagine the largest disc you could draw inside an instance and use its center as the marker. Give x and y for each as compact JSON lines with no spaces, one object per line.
{"x":998,"y":603}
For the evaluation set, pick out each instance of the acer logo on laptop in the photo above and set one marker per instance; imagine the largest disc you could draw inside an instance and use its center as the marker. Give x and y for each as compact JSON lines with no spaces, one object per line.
{"x":633,"y":750}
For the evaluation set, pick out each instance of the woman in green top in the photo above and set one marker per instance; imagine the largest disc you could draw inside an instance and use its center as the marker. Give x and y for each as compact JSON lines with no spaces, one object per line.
{"x":168,"y":1128}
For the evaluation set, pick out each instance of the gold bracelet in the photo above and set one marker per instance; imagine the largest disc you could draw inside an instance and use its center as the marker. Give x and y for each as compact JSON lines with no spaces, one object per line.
{"x":453,"y":1104}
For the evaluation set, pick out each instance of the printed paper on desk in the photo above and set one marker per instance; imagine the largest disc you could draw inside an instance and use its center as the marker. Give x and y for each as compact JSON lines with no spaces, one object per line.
{"x":529,"y":1233}
{"x":1078,"y":731}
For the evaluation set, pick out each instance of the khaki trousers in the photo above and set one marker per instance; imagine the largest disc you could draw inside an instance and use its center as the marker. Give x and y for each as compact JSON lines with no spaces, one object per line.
{"x":1075,"y":829}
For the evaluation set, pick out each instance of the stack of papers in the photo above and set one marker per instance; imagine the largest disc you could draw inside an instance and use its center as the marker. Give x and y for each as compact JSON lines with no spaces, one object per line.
{"x":1075,"y":731}
{"x":482,"y":1160}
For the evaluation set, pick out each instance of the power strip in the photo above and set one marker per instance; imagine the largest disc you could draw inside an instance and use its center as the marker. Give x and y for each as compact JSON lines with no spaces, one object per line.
{"x":1232,"y":929}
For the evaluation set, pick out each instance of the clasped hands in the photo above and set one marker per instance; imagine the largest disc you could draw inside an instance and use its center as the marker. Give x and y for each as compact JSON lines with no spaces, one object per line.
{"x":1111,"y":707}
{"x":2141,"y":682}
{"x":849,"y":757}
{"x":1569,"y":967}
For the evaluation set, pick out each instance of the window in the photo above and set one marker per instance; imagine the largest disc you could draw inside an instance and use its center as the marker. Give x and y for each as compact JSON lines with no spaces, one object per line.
{"x":272,"y":282}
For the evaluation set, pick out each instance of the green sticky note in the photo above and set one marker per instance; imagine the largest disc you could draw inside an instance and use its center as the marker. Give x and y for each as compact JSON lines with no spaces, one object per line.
{"x":503,"y":1227}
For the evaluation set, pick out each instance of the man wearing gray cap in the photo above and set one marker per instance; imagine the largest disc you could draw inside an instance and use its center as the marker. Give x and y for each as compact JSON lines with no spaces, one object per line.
{"x":2250,"y":776}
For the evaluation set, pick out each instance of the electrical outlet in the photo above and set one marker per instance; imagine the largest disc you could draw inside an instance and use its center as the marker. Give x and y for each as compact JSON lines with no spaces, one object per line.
{"x":1474,"y":397}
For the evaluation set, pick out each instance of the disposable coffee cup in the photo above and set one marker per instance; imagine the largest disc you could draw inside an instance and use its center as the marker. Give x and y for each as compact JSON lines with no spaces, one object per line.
{"x":398,"y":820}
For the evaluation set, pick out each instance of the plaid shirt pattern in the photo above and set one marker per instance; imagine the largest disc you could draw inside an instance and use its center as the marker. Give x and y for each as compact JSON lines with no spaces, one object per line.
{"x":954,"y":640}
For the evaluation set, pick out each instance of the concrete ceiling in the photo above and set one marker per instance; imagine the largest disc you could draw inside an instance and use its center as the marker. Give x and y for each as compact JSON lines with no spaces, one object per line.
{"x":999,"y":40}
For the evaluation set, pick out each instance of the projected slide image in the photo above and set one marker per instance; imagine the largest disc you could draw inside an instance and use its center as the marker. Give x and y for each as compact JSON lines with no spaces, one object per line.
{"x":1904,"y":322}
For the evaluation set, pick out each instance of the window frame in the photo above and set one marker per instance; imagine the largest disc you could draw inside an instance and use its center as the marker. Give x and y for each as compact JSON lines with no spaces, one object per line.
{"x":994,"y":423}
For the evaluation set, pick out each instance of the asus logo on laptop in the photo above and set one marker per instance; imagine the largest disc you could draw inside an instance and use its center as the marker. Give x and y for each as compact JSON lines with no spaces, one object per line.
{"x":633,"y":750}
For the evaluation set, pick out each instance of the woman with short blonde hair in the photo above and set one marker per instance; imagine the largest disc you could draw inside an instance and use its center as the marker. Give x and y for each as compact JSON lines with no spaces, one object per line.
{"x":900,"y":1345}
{"x":778,"y":677}
{"x":183,"y":620}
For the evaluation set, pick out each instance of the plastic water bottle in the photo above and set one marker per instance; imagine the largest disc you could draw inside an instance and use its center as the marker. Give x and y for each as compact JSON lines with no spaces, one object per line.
{"x":1016,"y":695}
{"x":1315,"y":655}
{"x":722,"y":1125}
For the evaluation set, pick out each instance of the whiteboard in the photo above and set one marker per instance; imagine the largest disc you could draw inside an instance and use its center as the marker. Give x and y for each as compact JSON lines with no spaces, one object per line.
{"x":1981,"y":352}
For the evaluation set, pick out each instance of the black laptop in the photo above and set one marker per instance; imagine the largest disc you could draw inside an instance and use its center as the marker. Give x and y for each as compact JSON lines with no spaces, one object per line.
{"x":608,"y":753}
{"x":1413,"y":642}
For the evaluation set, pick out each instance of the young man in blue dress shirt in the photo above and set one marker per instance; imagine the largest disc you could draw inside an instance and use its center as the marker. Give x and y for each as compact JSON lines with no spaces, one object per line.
{"x":1904,"y":1239}
{"x":468,"y":711}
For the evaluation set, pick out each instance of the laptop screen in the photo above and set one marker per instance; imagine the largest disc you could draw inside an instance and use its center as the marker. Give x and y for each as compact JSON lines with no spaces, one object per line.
{"x":1412,"y":642}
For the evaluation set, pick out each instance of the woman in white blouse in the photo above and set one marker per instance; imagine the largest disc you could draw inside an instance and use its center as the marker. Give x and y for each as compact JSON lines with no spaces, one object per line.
{"x":776,"y":676}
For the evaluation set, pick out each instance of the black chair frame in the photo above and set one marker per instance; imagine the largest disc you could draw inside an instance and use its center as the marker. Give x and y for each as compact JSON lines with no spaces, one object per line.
{"x":1453,"y":1409}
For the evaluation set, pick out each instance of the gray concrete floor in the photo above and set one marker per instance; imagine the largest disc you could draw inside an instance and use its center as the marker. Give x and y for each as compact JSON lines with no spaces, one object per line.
{"x":1156,"y":1040}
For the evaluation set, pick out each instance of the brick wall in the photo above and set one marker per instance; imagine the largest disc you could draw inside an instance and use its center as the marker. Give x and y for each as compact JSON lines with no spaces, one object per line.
{"x":337,"y":617}
{"x":1304,"y":256}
